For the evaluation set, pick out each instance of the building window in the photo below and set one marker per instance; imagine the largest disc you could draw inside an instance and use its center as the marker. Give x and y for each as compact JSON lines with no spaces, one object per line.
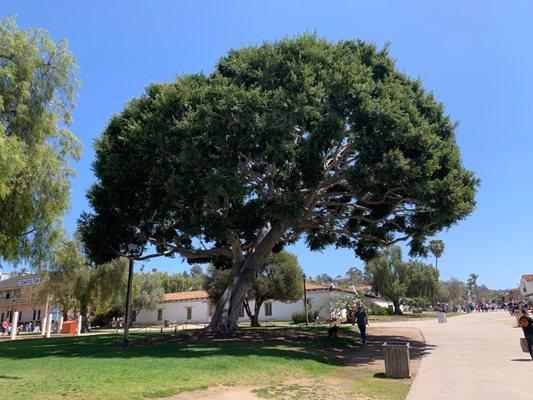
{"x":8,"y":295}
{"x":241,"y":311}
{"x":268,"y":309}
{"x":34,"y":315}
{"x":38,"y":314}
{"x":20,"y":315}
{"x":189,"y":312}
{"x":160,"y":314}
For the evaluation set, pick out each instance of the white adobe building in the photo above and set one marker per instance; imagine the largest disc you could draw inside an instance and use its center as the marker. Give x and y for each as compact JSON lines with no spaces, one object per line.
{"x":195,"y":306}
{"x":526,"y":286}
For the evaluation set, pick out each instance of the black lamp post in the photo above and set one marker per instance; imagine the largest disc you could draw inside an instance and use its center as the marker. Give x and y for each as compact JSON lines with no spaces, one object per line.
{"x":305,"y":303}
{"x":132,"y":253}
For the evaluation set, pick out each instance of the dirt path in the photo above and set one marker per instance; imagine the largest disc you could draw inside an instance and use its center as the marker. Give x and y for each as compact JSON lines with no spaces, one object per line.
{"x":475,"y":356}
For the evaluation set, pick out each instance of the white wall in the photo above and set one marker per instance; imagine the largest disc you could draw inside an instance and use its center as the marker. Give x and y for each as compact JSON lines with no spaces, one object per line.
{"x":526,"y":288}
{"x":176,"y":312}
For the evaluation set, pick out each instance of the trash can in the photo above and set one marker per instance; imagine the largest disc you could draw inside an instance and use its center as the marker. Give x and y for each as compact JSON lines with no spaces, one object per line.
{"x":397,"y":360}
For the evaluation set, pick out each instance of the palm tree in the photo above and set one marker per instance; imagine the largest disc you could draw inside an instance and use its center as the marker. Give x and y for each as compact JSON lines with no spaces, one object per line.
{"x":437,"y":248}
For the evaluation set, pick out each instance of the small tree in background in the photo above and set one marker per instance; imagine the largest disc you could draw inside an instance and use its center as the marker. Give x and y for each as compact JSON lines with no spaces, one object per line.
{"x":80,"y":288}
{"x":416,"y":303}
{"x":147,"y":293}
{"x":453,"y":291}
{"x":437,"y":248}
{"x":180,"y":281}
{"x":471,"y":283}
{"x":395,"y":279}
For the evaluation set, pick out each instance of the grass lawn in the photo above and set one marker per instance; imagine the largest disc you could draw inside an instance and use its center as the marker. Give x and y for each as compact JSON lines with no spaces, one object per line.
{"x":95,"y":367}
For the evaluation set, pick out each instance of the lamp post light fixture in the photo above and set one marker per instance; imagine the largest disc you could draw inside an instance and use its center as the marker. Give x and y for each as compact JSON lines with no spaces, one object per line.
{"x":133,"y":252}
{"x":305,"y":303}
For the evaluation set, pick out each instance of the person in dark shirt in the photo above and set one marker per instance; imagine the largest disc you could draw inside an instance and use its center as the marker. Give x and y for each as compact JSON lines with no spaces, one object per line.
{"x":526,"y":322}
{"x":362,"y":322}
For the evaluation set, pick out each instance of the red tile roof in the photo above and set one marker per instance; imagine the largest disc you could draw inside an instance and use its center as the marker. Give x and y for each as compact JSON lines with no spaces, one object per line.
{"x":183,"y":296}
{"x":528,"y":277}
{"x":313,"y":286}
{"x":363,"y":288}
{"x":202,"y":294}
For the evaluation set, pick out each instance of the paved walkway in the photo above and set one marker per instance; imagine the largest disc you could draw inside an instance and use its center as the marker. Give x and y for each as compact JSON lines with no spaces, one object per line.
{"x":474,"y":356}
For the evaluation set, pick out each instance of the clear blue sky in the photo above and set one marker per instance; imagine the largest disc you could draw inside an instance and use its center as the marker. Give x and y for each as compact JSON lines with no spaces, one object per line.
{"x":477,"y":57}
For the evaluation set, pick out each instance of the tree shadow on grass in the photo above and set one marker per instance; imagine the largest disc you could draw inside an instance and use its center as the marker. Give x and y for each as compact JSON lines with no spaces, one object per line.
{"x":314,"y":346}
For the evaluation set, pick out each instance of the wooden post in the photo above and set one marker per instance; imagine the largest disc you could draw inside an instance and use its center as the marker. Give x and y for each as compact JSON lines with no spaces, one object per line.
{"x":14,"y":325}
{"x":397,"y":361}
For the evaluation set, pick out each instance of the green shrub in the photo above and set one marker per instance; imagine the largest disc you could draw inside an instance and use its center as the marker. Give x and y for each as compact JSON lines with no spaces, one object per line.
{"x":374,"y":309}
{"x":298,"y":317}
{"x":103,"y":320}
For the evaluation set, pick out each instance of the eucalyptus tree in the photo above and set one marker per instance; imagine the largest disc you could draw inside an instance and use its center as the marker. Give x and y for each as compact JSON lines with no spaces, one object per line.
{"x":437,"y":248}
{"x":37,"y":92}
{"x":297,"y":139}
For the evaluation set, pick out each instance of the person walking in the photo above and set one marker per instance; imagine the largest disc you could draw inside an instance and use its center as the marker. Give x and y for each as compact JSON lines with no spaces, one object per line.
{"x":362,"y":322}
{"x":526,"y":322}
{"x":6,"y":326}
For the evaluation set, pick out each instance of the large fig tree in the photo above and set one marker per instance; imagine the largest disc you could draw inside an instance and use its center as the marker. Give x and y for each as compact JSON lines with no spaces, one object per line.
{"x":297,"y":139}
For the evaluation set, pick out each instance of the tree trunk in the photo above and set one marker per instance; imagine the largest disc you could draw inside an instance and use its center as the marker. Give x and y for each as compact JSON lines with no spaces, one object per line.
{"x":84,"y":319}
{"x":257,"y":307}
{"x":397,"y":309}
{"x":254,"y":320}
{"x":227,"y":312}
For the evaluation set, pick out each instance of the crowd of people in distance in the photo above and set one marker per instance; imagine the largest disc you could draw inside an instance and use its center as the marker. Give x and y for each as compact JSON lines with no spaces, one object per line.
{"x":515,"y":306}
{"x":25,"y":327}
{"x":486,"y":307}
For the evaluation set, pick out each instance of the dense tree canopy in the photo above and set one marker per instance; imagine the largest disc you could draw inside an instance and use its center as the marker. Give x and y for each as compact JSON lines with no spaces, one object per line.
{"x":181,"y":281}
{"x":37,"y":86}
{"x":300,"y":138}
